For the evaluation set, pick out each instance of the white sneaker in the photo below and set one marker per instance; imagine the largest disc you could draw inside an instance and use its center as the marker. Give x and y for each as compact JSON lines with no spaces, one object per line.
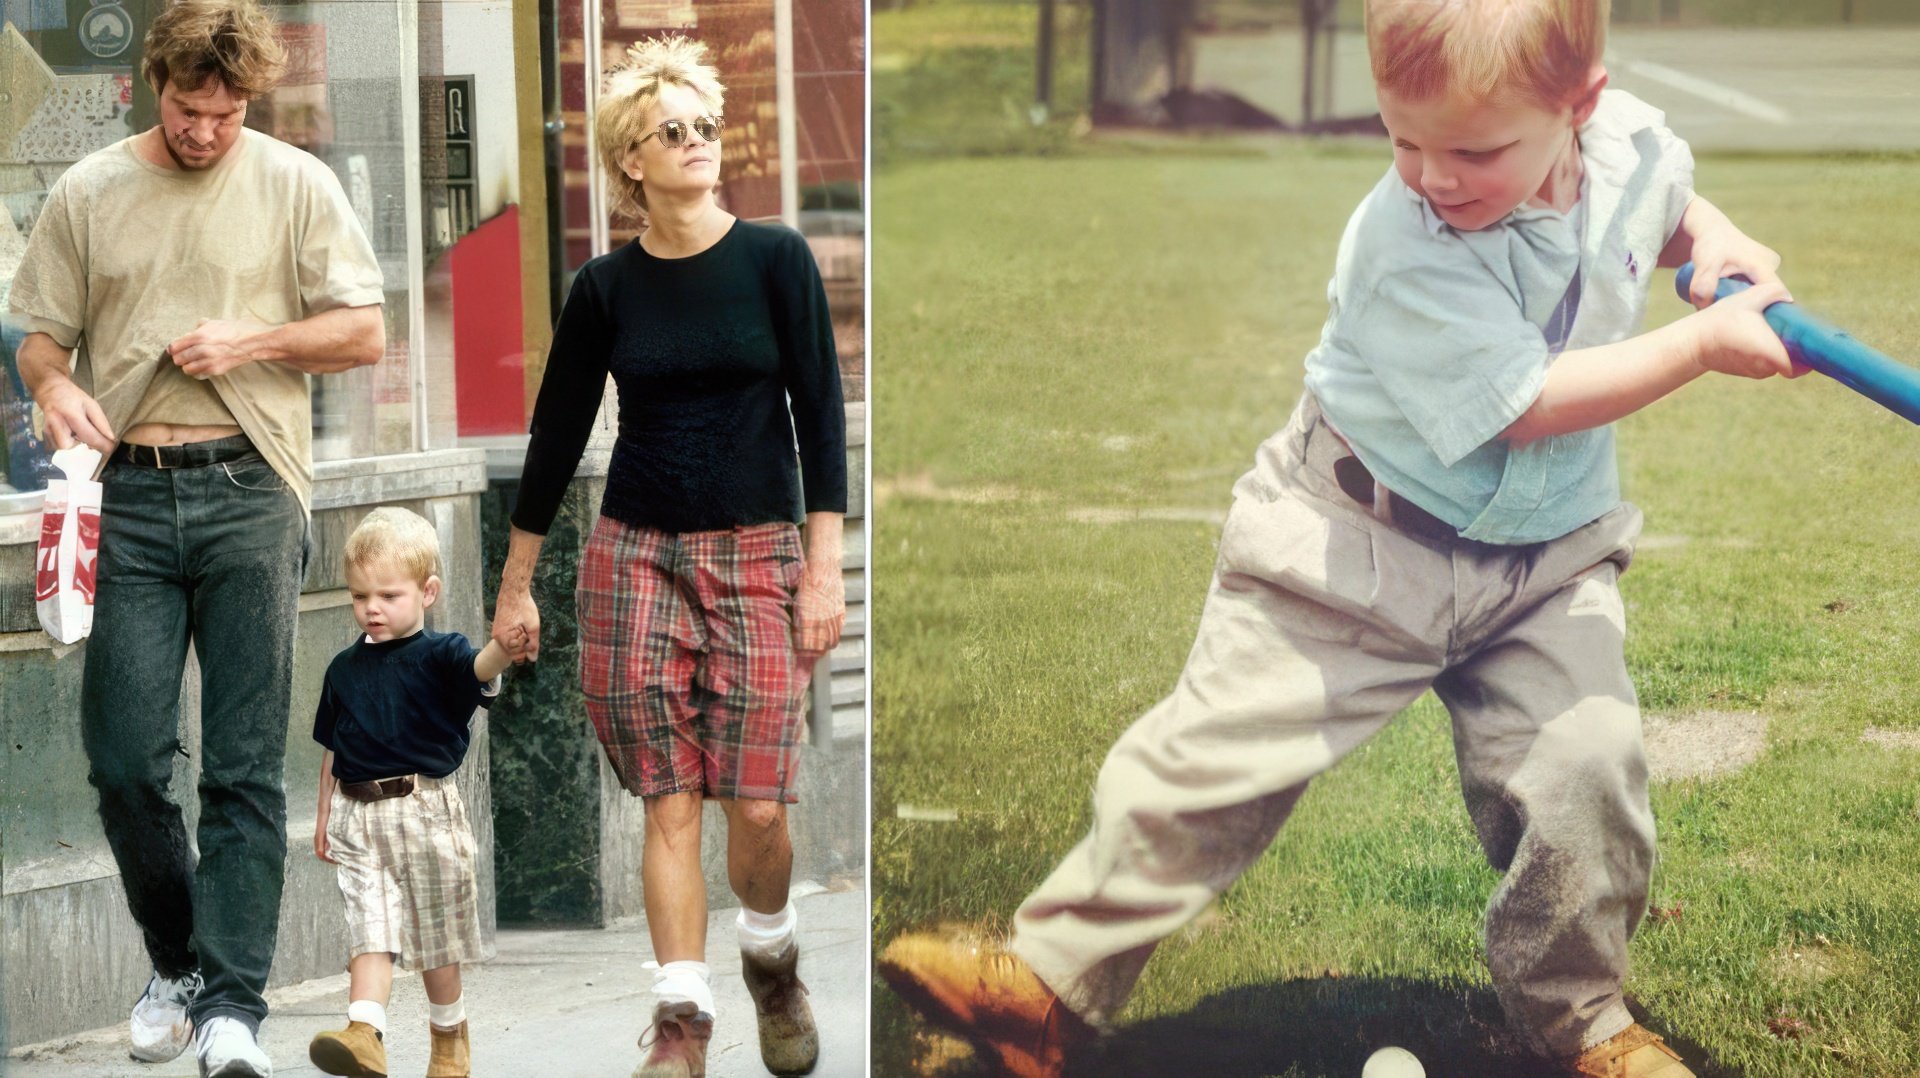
{"x":159,"y":1027}
{"x":228,"y":1050}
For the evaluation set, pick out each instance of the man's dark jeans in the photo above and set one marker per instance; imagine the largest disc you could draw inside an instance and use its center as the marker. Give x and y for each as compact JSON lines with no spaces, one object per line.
{"x":215,"y":554}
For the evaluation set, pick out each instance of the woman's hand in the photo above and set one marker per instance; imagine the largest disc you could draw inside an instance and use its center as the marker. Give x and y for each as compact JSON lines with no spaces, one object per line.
{"x":516,"y":624}
{"x":819,"y":609}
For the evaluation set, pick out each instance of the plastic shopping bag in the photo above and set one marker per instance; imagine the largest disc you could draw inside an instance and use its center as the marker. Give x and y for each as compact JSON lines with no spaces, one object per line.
{"x":69,"y":546}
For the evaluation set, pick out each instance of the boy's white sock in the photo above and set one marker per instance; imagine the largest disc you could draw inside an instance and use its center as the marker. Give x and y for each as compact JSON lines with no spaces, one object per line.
{"x":682,"y":982}
{"x":765,"y":935}
{"x":366,"y":1010}
{"x":447,"y":1015}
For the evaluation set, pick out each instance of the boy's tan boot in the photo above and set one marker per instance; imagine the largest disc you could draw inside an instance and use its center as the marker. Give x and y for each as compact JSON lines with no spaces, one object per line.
{"x":1634,"y":1052}
{"x":789,"y":1044}
{"x":355,"y":1052}
{"x":451,"y":1057}
{"x":988,"y":996}
{"x":676,"y":1042}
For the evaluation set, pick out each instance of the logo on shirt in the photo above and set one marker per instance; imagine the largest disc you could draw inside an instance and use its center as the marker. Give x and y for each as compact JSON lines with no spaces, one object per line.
{"x":1633,"y":266}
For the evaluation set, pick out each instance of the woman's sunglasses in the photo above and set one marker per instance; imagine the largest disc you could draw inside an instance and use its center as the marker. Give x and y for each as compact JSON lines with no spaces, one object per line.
{"x":673,"y":133}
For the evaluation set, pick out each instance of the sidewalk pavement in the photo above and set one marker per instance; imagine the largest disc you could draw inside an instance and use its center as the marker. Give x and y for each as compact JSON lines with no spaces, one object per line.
{"x":551,"y":1004}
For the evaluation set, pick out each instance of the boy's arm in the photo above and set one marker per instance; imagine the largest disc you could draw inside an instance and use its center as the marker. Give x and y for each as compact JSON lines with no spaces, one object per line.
{"x":320,"y":849}
{"x":491,"y":661}
{"x":1591,"y":387}
{"x":1717,"y":248}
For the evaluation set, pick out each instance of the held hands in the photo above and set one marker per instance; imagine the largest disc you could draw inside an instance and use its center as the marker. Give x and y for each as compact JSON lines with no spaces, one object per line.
{"x":1735,"y":339}
{"x":215,"y":347}
{"x":819,"y":609}
{"x":516,"y":624}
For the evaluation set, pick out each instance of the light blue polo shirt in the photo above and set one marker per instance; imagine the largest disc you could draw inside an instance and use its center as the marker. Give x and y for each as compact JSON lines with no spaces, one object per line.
{"x":1437,"y":340}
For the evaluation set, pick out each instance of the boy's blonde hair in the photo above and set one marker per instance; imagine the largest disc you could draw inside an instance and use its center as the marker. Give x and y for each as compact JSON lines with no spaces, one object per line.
{"x":629,"y":91}
{"x":1540,"y":51}
{"x":232,"y":42}
{"x":391,"y":537}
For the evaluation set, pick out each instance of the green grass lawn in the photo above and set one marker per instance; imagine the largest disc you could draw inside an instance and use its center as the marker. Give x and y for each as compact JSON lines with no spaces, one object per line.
{"x":1065,"y":338}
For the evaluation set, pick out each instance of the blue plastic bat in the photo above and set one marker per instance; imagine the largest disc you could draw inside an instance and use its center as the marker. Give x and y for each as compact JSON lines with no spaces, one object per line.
{"x":1831,"y":351}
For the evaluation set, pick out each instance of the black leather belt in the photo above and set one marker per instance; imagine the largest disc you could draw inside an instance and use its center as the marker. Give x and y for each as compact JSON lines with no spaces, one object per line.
{"x":190,"y":455}
{"x":378,"y":789}
{"x":1358,"y":482}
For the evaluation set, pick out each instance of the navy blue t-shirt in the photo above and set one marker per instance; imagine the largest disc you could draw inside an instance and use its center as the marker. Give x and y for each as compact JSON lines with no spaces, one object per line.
{"x":400,"y":707}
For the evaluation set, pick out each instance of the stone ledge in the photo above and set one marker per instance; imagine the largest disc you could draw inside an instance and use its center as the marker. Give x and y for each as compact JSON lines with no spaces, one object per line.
{"x":437,"y":473}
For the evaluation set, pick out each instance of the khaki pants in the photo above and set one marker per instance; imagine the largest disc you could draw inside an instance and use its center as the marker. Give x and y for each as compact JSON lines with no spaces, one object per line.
{"x":1321,"y":624}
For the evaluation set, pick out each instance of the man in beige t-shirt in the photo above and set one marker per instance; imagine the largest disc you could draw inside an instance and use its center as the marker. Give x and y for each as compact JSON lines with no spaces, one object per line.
{"x":179,"y":288}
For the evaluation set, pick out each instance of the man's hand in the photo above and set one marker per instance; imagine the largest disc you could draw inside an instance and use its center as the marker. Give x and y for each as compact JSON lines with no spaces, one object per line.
{"x":1736,"y":339}
{"x":516,"y":624}
{"x":1725,"y":251}
{"x":819,"y":609}
{"x":73,"y":416}
{"x":216,"y":346}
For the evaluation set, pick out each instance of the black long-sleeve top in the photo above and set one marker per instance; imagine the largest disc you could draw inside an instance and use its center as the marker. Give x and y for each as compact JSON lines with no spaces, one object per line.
{"x":705,"y":352}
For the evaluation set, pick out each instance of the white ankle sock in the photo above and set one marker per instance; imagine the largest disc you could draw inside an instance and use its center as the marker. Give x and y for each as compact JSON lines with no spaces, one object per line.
{"x":447,"y":1015}
{"x":366,"y":1010}
{"x":765,"y":935}
{"x":682,"y":982}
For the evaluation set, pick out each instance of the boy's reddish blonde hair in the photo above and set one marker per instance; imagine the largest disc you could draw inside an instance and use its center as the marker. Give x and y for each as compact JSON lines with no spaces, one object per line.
{"x":1540,"y":51}
{"x":394,"y":538}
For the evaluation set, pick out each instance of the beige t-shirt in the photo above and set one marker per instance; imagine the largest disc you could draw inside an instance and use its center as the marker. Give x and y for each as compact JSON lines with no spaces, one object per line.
{"x":128,"y":257}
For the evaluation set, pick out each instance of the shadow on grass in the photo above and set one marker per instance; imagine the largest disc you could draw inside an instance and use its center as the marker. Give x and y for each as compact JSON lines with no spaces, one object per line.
{"x":1329,"y":1026}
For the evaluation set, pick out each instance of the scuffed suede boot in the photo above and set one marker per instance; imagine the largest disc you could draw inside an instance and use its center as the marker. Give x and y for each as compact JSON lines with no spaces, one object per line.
{"x":788,"y":1042}
{"x":356,"y":1051}
{"x":990,"y":997}
{"x":676,"y":1042}
{"x":451,"y":1057}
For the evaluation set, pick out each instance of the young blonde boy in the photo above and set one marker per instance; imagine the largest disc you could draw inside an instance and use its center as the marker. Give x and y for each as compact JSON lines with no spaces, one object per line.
{"x":1442,"y":512}
{"x":395,"y":715}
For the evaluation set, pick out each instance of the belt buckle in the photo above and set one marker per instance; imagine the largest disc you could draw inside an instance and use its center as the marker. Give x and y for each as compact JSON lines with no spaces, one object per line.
{"x":157,"y":461}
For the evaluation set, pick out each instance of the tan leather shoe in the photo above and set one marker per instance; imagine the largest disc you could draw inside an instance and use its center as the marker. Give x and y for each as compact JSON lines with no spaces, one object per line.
{"x":1634,"y":1052}
{"x":451,"y":1056}
{"x":789,"y":1043}
{"x":355,"y":1052}
{"x":676,"y":1042}
{"x":988,"y":996}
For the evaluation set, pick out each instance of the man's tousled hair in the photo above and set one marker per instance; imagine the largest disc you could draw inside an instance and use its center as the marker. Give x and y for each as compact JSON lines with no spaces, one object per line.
{"x":234,"y":43}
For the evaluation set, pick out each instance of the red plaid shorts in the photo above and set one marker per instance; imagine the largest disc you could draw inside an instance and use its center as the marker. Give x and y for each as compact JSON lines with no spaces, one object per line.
{"x":687,"y":660}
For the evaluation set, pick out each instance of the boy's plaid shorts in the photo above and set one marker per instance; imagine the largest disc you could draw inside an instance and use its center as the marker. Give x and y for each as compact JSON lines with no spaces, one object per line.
{"x":406,"y":868}
{"x":687,"y":660}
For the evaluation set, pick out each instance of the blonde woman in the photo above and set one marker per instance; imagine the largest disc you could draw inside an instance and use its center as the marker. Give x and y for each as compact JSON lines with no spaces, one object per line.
{"x":700,"y":612}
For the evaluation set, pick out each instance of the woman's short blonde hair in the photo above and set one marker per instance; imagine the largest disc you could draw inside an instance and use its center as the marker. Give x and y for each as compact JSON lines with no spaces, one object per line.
{"x":628,"y":93}
{"x":233,"y":42}
{"x":394,"y":538}
{"x":1539,"y":51}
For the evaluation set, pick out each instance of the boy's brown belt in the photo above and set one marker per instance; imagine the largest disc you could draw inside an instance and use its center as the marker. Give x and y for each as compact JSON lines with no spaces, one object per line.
{"x":378,"y":789}
{"x":1357,"y":481}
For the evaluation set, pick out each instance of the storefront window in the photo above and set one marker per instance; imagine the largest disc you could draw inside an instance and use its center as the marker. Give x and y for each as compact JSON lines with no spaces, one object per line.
{"x":827,"y":51}
{"x":69,"y":85}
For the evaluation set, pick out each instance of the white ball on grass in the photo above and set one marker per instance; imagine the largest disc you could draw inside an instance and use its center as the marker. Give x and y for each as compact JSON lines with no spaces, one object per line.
{"x":1393,"y":1063}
